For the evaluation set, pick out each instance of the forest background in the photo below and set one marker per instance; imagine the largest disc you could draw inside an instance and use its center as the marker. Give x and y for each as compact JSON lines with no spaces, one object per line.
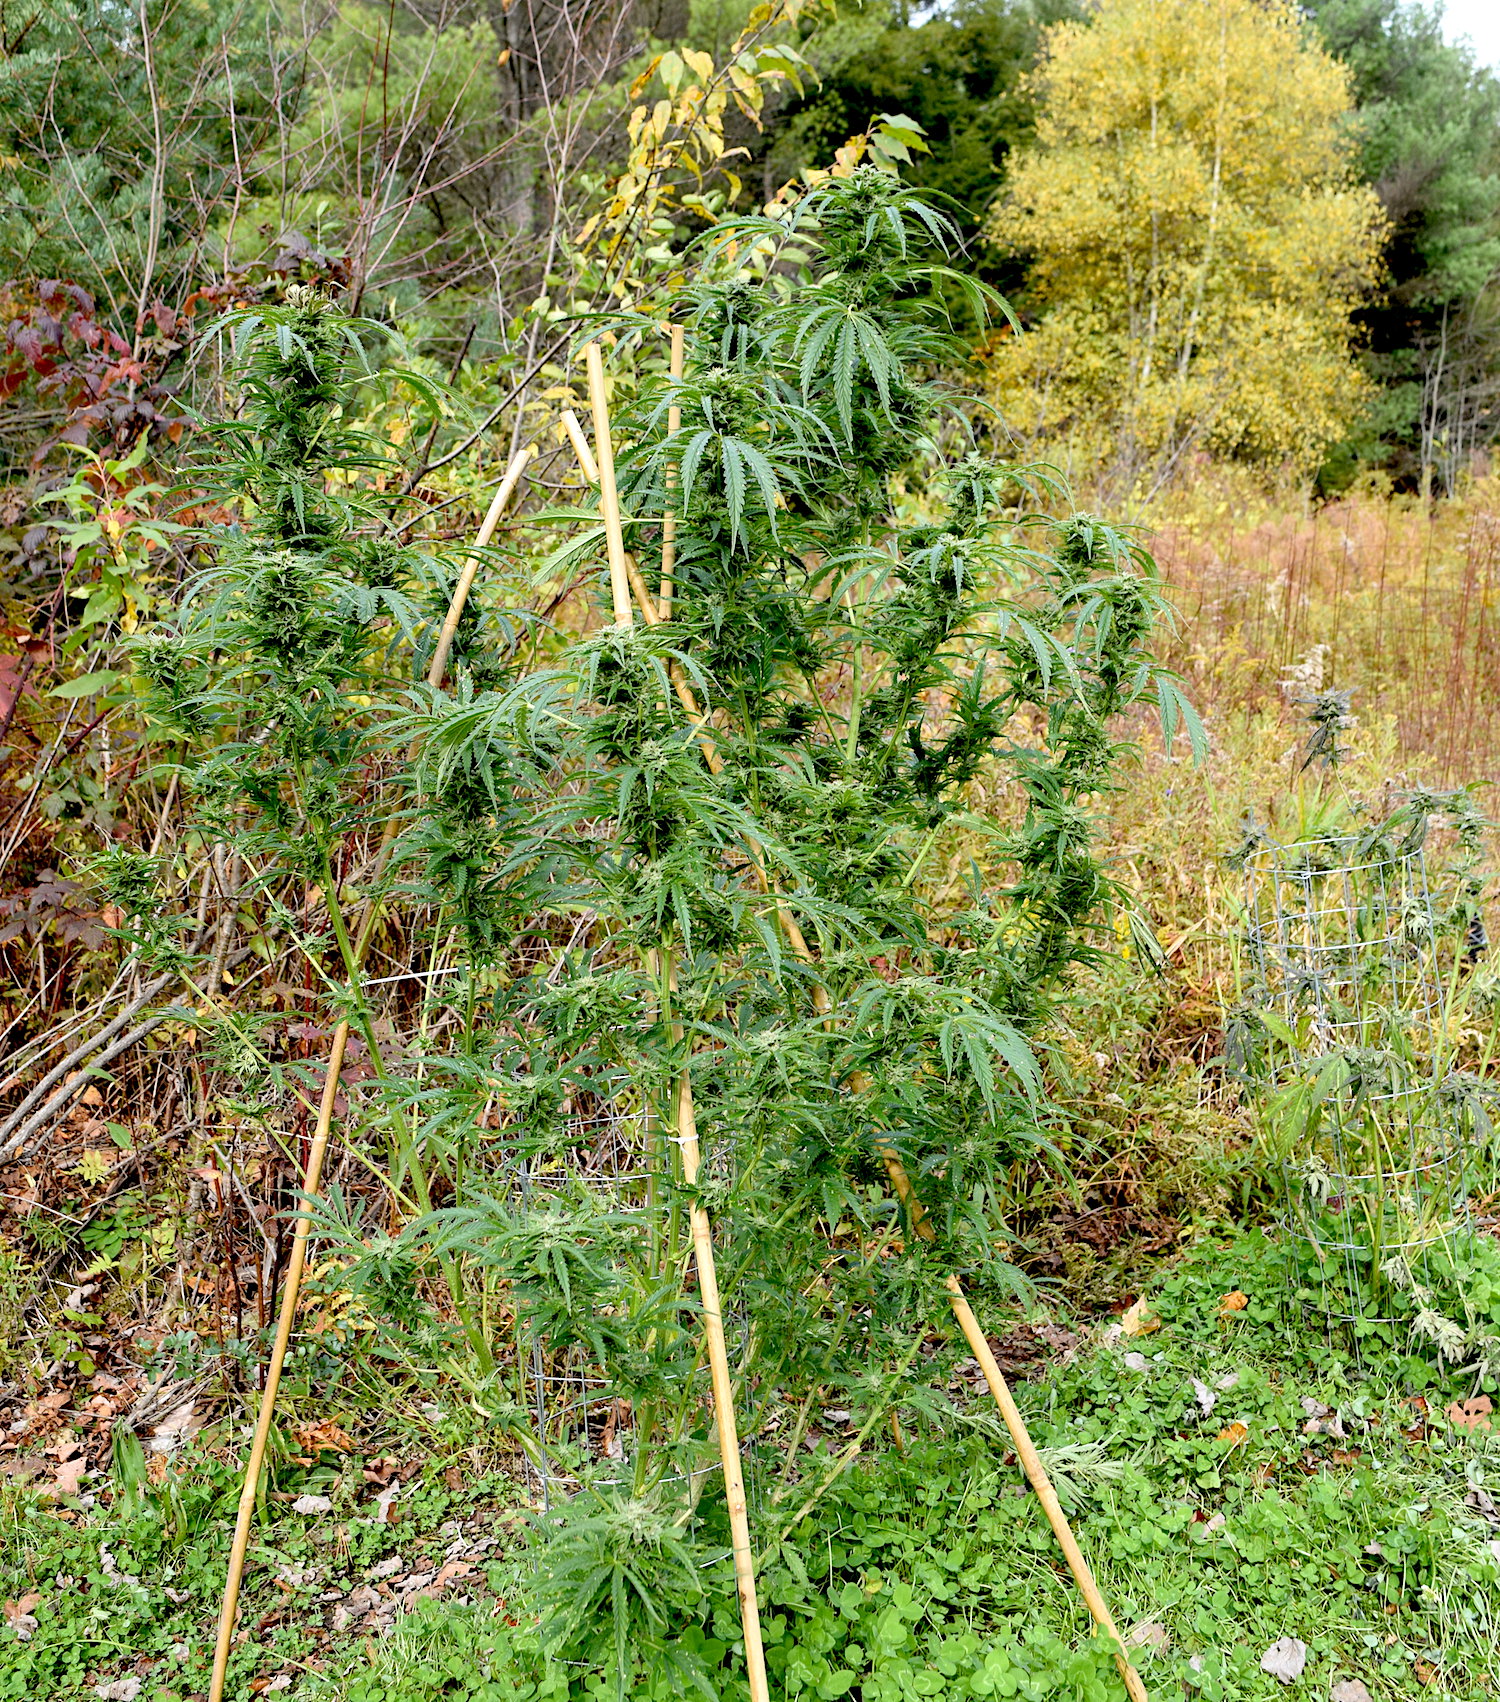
{"x":1254,"y":262}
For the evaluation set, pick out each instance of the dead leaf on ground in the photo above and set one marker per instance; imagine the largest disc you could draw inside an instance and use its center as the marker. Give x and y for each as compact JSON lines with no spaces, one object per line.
{"x":1139,"y":1319}
{"x":1350,"y":1690}
{"x":19,"y":1617}
{"x":1234,"y":1434}
{"x":311,"y":1504}
{"x":1149,"y":1634}
{"x":67,"y":1478}
{"x":1285,"y":1659}
{"x":177,"y":1427}
{"x":119,"y":1690}
{"x":1426,"y":1673}
{"x":323,"y":1436}
{"x":1472,"y":1415}
{"x":448,"y":1572}
{"x":1236,"y":1301}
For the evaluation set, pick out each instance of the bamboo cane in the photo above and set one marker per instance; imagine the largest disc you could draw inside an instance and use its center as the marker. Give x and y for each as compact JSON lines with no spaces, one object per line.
{"x":466,"y":579}
{"x":609,"y":497}
{"x":312,"y":1173}
{"x":669,"y":519}
{"x":687,"y":1127}
{"x":724,"y":1421}
{"x":1026,"y":1452}
{"x":581,"y":447}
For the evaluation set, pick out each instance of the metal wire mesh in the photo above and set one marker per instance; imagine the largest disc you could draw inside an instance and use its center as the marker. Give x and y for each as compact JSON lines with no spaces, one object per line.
{"x":1342,"y":939}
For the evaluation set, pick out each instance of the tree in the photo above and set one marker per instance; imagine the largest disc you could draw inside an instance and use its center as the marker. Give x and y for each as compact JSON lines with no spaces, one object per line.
{"x":960,"y":74}
{"x":1430,"y":146}
{"x":125,"y":132}
{"x":1196,"y":238}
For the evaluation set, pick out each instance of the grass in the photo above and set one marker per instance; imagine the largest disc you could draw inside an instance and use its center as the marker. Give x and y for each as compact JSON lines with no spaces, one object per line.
{"x":924,"y":1573}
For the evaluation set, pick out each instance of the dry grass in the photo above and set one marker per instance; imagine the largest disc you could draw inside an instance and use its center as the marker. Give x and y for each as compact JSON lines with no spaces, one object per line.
{"x":1399,"y":602}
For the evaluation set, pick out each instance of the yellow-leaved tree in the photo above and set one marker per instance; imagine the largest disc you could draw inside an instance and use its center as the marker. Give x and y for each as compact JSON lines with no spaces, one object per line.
{"x":1196,"y":241}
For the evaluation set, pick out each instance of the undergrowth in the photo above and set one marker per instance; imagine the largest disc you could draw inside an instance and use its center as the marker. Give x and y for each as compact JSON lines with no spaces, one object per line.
{"x":1237,"y":1476}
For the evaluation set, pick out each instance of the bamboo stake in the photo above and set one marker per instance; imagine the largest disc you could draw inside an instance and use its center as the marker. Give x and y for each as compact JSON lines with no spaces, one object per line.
{"x":687,"y":1127}
{"x":724,"y":1421}
{"x":581,"y":447}
{"x":1026,"y":1452}
{"x":312,"y":1173}
{"x":466,"y":579}
{"x":609,"y":497}
{"x":669,"y":519}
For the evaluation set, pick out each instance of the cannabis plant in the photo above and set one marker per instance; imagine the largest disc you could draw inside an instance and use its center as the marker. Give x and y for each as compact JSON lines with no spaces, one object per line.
{"x":700,"y":848}
{"x":306,"y":614}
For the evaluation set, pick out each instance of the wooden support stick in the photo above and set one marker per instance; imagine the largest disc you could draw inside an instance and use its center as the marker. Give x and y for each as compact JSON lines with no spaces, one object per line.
{"x":312,"y":1173}
{"x":1026,"y":1452}
{"x":724,"y":1421}
{"x":609,"y":497}
{"x":669,"y":519}
{"x":466,"y":579}
{"x":687,"y":1133}
{"x":581,"y":447}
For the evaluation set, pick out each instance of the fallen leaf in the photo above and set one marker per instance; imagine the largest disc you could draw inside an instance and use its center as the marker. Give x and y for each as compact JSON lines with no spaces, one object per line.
{"x":1205,"y":1396}
{"x":1139,"y":1319}
{"x":1350,"y":1690}
{"x":1214,"y":1524}
{"x":1136,"y":1362}
{"x":1426,"y":1674}
{"x":1233,"y":1302}
{"x":179,"y":1426}
{"x":1347,"y":1456}
{"x":384,"y":1502}
{"x":323,"y":1436}
{"x":119,"y":1690}
{"x":20,"y":1618}
{"x":1234,"y":1434}
{"x":388,"y":1568}
{"x":1149,"y":1634}
{"x":1285,"y":1659}
{"x":309,"y":1504}
{"x":68,"y":1477}
{"x":1472,"y":1415}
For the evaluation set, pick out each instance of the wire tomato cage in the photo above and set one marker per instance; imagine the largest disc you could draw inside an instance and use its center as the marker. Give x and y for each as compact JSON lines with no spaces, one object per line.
{"x":1364,"y":951}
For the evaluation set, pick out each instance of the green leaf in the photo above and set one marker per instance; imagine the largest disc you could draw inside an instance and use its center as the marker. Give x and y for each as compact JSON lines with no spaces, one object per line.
{"x":87,"y":684}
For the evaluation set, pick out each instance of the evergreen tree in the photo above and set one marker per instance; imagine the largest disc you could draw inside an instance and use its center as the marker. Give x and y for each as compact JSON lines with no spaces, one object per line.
{"x":1429,"y":129}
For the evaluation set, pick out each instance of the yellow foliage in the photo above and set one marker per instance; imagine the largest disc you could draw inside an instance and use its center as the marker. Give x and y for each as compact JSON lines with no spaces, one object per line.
{"x":681,"y":138}
{"x":1196,"y":237}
